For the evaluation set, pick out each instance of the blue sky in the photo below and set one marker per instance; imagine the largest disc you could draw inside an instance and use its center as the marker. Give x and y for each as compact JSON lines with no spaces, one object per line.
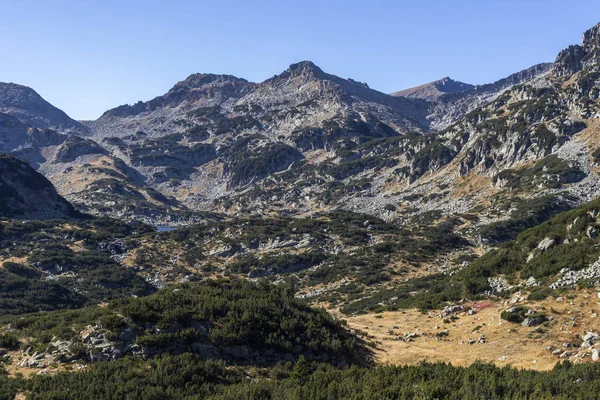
{"x":88,"y":56}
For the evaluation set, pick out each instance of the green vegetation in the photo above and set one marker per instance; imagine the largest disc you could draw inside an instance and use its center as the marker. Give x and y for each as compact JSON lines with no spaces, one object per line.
{"x":371,"y":246}
{"x":80,"y":277}
{"x":264,"y":318}
{"x":190,"y":377}
{"x":525,"y":214}
{"x":518,"y":314}
{"x":550,"y":172}
{"x":248,"y":162}
{"x":573,"y":249}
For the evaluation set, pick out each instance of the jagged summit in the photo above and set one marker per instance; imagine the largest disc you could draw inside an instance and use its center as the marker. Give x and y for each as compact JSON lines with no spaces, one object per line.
{"x":578,"y":57}
{"x":202,"y":80}
{"x":591,"y":37}
{"x":303,"y":71}
{"x":435,"y":89}
{"x":305,"y":65}
{"x":28,"y":106}
{"x":305,"y":81}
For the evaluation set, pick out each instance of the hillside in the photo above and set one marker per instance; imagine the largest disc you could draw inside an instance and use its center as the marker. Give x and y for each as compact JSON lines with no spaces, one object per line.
{"x":57,"y":264}
{"x":26,"y":194}
{"x":28,"y":106}
{"x":239,"y":322}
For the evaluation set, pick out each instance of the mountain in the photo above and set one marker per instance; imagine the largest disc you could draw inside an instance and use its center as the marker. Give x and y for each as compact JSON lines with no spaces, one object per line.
{"x":302,"y":85}
{"x":212,"y":135}
{"x":530,"y":150}
{"x":306,"y":141}
{"x":29,"y":107}
{"x":85,"y":173}
{"x":26,"y":194}
{"x":450,"y":100}
{"x":446,"y":224}
{"x":433,"y":90}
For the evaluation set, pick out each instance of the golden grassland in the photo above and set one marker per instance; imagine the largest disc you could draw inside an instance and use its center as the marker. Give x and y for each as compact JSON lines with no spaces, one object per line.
{"x":505,"y":343}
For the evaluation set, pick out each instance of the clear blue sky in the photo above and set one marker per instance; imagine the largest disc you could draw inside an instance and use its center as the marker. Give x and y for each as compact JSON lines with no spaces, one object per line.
{"x":88,"y":56}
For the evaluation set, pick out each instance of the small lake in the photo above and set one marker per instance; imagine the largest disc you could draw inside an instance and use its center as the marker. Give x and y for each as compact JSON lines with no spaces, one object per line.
{"x":165,"y":228}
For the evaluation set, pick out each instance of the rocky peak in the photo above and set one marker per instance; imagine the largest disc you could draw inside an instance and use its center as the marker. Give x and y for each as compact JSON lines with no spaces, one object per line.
{"x":196,"y":90}
{"x":577,"y":57}
{"x":306,"y":68}
{"x":200,"y":81}
{"x":569,"y":61}
{"x":591,"y":37}
{"x":29,"y":107}
{"x":304,"y":72}
{"x":433,"y":90}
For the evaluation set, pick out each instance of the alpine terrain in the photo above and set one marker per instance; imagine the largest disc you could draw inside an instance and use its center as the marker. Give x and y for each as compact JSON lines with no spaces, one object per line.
{"x":306,"y":237}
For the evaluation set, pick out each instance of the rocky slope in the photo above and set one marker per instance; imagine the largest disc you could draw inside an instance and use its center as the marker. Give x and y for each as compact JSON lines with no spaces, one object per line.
{"x":26,"y":194}
{"x":87,"y":174}
{"x":449,"y":100}
{"x":536,"y":139}
{"x":213,"y":135}
{"x":221,"y":143}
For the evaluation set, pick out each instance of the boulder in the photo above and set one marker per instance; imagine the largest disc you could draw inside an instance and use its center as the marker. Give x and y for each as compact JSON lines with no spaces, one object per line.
{"x":532,"y":281}
{"x":442,"y":334}
{"x":226,"y":251}
{"x":546,"y":243}
{"x":533,"y":321}
{"x":449,"y":310}
{"x":590,"y":337}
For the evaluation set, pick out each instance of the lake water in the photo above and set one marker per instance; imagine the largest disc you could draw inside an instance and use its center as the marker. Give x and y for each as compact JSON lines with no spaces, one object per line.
{"x":165,"y":228}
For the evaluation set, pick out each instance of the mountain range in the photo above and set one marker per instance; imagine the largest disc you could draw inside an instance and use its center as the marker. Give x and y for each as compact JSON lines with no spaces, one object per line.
{"x":447,"y":222}
{"x":305,"y":141}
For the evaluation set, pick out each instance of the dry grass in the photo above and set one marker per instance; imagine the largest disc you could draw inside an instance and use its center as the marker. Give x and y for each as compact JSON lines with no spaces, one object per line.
{"x":473,"y":184}
{"x":590,"y":135}
{"x":507,"y":343}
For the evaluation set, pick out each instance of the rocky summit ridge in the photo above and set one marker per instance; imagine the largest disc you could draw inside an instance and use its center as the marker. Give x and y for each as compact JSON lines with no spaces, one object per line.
{"x":433,"y":90}
{"x":29,"y":107}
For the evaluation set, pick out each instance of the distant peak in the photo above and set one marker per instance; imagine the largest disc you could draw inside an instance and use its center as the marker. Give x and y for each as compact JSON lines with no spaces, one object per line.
{"x":447,"y":80}
{"x":200,"y":79}
{"x":435,"y":89}
{"x":305,"y":66}
{"x":9,"y":89}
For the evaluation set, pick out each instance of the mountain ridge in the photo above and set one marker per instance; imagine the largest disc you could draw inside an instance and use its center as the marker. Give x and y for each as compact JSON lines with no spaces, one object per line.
{"x":28,"y":106}
{"x":434,"y":89}
{"x":222,"y":144}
